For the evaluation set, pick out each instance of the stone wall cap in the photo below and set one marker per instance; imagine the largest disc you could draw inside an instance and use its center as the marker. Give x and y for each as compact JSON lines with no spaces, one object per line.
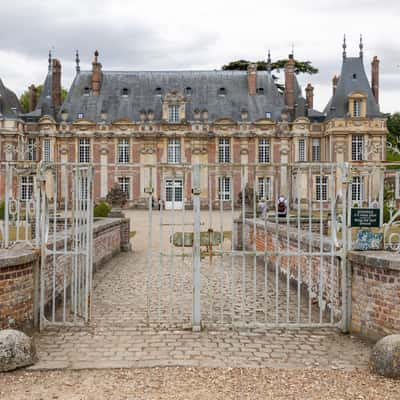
{"x":376,"y":259}
{"x":17,"y":255}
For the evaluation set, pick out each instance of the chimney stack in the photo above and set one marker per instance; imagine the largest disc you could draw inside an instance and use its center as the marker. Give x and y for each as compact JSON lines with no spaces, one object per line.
{"x":335,"y":81}
{"x":289,"y":85}
{"x":310,"y":96}
{"x":56,"y":84}
{"x":96,"y":75}
{"x":32,"y":99}
{"x":375,"y":78}
{"x":252,"y":79}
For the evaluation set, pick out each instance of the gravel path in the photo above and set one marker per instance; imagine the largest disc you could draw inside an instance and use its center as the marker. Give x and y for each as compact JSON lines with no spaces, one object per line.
{"x":192,"y":383}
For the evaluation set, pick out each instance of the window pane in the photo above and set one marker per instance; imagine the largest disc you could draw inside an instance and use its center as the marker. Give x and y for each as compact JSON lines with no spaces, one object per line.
{"x":174,"y":151}
{"x":264,"y":152}
{"x":224,"y":150}
{"x":302,"y":153}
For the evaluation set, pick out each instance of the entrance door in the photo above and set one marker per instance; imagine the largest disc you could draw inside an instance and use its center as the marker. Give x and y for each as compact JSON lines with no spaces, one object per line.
{"x":173,"y":194}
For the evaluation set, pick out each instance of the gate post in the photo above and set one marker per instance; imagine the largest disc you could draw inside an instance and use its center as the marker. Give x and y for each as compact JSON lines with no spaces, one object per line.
{"x":196,"y":318}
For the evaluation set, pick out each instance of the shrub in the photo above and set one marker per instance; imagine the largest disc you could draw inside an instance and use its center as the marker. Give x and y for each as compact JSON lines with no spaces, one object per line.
{"x":101,"y":210}
{"x":2,"y":209}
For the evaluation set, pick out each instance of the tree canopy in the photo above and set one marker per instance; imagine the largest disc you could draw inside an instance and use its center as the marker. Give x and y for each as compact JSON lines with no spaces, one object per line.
{"x":24,"y":98}
{"x":393,"y":125}
{"x":300,"y":67}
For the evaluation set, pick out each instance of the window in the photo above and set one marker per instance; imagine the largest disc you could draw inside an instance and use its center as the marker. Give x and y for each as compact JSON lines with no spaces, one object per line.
{"x":221,"y":91}
{"x":357,"y":108}
{"x":316,"y":149}
{"x":302,"y":150}
{"x":86,"y":91}
{"x":224,"y":188}
{"x":174,"y":151}
{"x":84,"y":150}
{"x":158,"y":91}
{"x":264,"y":151}
{"x":80,"y":115}
{"x":260,"y":90}
{"x":357,"y":148}
{"x":321,"y":188}
{"x":26,"y":187}
{"x":124,"y":92}
{"x":123,"y":182}
{"x":264,"y":188}
{"x":123,"y":151}
{"x":31,"y":153}
{"x":357,"y":189}
{"x":224,"y":150}
{"x":188,"y":91}
{"x":173,"y":115}
{"x":268,"y":115}
{"x":46,"y":150}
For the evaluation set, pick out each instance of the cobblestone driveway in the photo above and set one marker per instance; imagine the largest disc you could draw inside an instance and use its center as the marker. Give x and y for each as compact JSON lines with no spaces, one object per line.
{"x":123,"y":334}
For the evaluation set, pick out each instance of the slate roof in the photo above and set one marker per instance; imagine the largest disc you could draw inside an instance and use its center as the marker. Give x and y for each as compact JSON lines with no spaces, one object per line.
{"x":205,"y":86}
{"x":8,"y":102}
{"x":352,"y":79}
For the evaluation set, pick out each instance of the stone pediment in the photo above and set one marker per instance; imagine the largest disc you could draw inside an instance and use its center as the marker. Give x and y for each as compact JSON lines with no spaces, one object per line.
{"x":301,"y":120}
{"x":46,"y":120}
{"x":84,"y":124}
{"x":264,"y":121}
{"x":224,"y":121}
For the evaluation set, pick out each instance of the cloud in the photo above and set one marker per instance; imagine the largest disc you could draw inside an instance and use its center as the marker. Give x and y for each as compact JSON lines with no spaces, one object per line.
{"x":176,"y":34}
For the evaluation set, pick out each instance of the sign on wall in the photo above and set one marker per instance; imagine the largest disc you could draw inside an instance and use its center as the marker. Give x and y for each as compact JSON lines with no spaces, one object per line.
{"x":365,"y":217}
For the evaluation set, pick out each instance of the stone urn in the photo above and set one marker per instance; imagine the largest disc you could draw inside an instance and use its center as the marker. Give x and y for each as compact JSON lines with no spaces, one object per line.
{"x":117,"y":198}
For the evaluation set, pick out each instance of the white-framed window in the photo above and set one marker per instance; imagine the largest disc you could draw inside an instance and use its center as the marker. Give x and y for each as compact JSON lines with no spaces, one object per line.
{"x":123,"y":151}
{"x":264,"y":187}
{"x":302,"y":150}
{"x":84,"y":150}
{"x":173,"y":113}
{"x":46,"y":150}
{"x":357,"y":148}
{"x":316,"y":149}
{"x":321,"y":188}
{"x":357,"y":108}
{"x":224,"y":150}
{"x":224,"y":188}
{"x":26,"y":187}
{"x":268,"y":115}
{"x":357,"y":189}
{"x":124,"y":184}
{"x":264,"y":150}
{"x":31,"y":153}
{"x":174,"y":151}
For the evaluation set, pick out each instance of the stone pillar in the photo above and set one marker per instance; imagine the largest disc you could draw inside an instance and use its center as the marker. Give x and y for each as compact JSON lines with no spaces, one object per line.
{"x":103,"y":173}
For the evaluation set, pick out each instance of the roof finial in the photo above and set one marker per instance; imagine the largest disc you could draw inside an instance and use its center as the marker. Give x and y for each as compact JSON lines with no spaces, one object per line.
{"x":344,"y":47}
{"x":96,"y":55}
{"x":77,"y":60}
{"x":361,"y":46}
{"x":269,"y":60}
{"x":49,"y":60}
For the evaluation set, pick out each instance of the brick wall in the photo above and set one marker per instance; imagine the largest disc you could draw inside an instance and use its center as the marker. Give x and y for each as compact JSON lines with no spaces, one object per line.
{"x":375,"y":293}
{"x":17,"y":268}
{"x":19,"y":278}
{"x":307,"y":257}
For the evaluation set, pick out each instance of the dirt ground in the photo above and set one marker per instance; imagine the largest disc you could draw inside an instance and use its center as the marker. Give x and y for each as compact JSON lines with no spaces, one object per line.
{"x":198,"y":383}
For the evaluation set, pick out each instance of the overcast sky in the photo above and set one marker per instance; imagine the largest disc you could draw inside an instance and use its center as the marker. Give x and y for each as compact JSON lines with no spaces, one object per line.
{"x":205,"y":34}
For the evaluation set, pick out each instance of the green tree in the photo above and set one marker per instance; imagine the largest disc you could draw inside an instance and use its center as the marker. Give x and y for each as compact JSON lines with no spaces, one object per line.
{"x":300,"y":67}
{"x":393,"y":125}
{"x":24,"y":98}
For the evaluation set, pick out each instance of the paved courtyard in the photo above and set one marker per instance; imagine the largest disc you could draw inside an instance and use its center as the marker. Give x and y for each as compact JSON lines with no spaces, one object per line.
{"x":142,"y":312}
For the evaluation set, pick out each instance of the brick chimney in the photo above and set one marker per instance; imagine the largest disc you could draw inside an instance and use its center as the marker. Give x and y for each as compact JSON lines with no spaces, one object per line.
{"x":96,"y":75}
{"x":310,"y":96}
{"x":335,"y":81}
{"x":56,"y":84}
{"x":375,"y":78}
{"x":32,"y":98}
{"x":252,"y":79}
{"x":289,"y":85}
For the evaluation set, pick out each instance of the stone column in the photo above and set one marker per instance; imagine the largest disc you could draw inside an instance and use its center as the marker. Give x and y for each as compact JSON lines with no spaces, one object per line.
{"x":103,"y":173}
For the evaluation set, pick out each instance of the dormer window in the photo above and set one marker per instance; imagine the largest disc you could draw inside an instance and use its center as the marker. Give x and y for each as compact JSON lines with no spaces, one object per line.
{"x":354,"y":76}
{"x":80,"y":115}
{"x":158,"y":91}
{"x":357,"y":108}
{"x":188,"y":91}
{"x":222,"y":91}
{"x":260,"y":90}
{"x":124,"y":92}
{"x":86,"y":91}
{"x":357,"y":105}
{"x":173,"y":113}
{"x":268,"y":115}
